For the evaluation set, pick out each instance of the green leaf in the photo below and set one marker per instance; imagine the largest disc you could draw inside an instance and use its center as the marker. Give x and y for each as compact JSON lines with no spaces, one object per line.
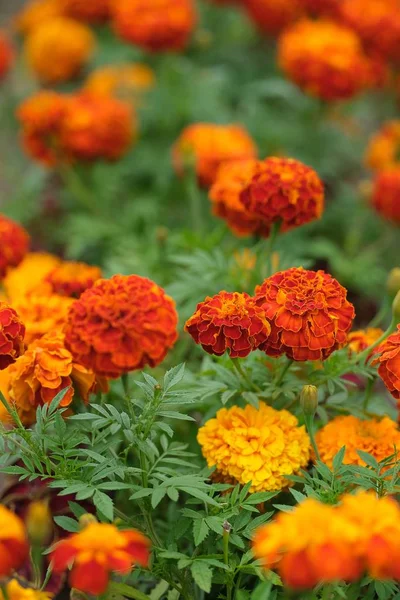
{"x":338,"y":458}
{"x":141,"y":494}
{"x":260,"y":497}
{"x":174,"y":376}
{"x":67,"y":523}
{"x":157,"y":496}
{"x":200,"y":531}
{"x":173,"y":414}
{"x":196,"y":493}
{"x":104,"y":504}
{"x":202,"y":574}
{"x":368,"y":459}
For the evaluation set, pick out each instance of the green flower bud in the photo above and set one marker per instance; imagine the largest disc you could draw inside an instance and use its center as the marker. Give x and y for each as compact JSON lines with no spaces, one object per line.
{"x":393,"y":282}
{"x":309,"y":399}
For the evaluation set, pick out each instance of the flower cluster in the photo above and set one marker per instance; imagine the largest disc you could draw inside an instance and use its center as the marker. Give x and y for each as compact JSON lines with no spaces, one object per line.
{"x":121,"y":324}
{"x":70,"y":278}
{"x":12,"y":333}
{"x":385,"y":194}
{"x":125,"y":80}
{"x":388,"y":363}
{"x":383,"y":149}
{"x":14,"y":244}
{"x":261,"y":445}
{"x":6,"y":55}
{"x":42,"y":313}
{"x":271,"y":16}
{"x":206,"y":147}
{"x":155,"y":26}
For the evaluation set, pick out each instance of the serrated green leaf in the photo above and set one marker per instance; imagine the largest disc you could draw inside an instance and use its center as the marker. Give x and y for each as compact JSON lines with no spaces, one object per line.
{"x":202,"y":574}
{"x":200,"y":531}
{"x":104,"y":504}
{"x":67,"y":523}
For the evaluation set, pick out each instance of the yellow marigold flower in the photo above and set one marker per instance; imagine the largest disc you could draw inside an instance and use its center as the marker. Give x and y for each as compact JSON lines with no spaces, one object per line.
{"x":380,"y":438}
{"x":360,"y":340}
{"x":58,"y":49}
{"x":384,"y":147}
{"x":30,"y":272}
{"x":35,"y":13}
{"x":120,"y":80}
{"x":13,"y":542}
{"x":261,"y":445}
{"x":15,"y":591}
{"x":42,"y":314}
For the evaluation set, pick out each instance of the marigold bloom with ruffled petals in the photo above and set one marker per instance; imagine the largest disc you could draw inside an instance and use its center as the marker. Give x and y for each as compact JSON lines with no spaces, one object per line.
{"x":98,"y":550}
{"x":156,"y":26}
{"x":12,"y":334}
{"x":208,"y":146}
{"x":15,"y":591}
{"x":120,"y":80}
{"x":40,"y":117}
{"x":229,"y":321}
{"x":58,"y":49}
{"x":309,"y":313}
{"x":35,"y":13}
{"x":6,"y":55}
{"x":388,"y":363}
{"x":386,"y":192}
{"x":121,"y":324}
{"x":325,"y":59}
{"x":384,"y":147}
{"x":91,"y":11}
{"x":360,"y":340}
{"x":380,"y":438}
{"x":14,"y":244}
{"x":97,"y":128}
{"x":42,"y":314}
{"x":271,"y":16}
{"x":70,"y":279}
{"x":261,"y":445}
{"x":232,"y":178}
{"x":284,"y":190}
{"x":33,"y":269}
{"x":13,"y":542}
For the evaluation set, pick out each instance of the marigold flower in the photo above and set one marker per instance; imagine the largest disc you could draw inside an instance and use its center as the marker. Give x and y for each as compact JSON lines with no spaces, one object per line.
{"x":39,"y":521}
{"x":389,"y":363}
{"x":383,"y":149}
{"x":261,"y":445}
{"x":271,"y":16}
{"x":14,"y":244}
{"x":309,"y":313}
{"x":360,"y":340}
{"x":46,"y":368}
{"x":42,"y":314}
{"x":325,"y":59}
{"x":6,"y":55}
{"x":70,"y":279}
{"x":57,"y":49}
{"x":208,"y":146}
{"x":156,"y":26}
{"x":96,"y":551}
{"x":96,"y":128}
{"x":120,"y":80}
{"x":228,"y":321}
{"x":15,"y":591}
{"x":385,"y":195}
{"x":284,"y":190}
{"x":12,"y":333}
{"x":29,"y":274}
{"x":92,"y":11}
{"x":35,"y":13}
{"x":377,"y":437}
{"x":40,"y":117}
{"x":13,"y":542}
{"x":121,"y":324}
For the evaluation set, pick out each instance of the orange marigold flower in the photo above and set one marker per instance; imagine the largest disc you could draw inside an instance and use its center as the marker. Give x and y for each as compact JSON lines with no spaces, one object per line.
{"x":36,"y":12}
{"x":14,"y":244}
{"x":389,"y":363}
{"x":121,"y":324}
{"x":229,"y":321}
{"x":208,"y":146}
{"x":29,"y":274}
{"x":377,"y":437}
{"x":58,"y":49}
{"x":15,"y":591}
{"x":156,"y":26}
{"x":12,"y":333}
{"x":120,"y":80}
{"x":284,"y":190}
{"x":6,"y":55}
{"x":271,"y":16}
{"x":232,"y":178}
{"x":40,"y":117}
{"x":14,"y":547}
{"x":385,"y":195}
{"x":92,"y":11}
{"x":71,"y":279}
{"x":309,"y":313}
{"x":325,"y":59}
{"x":96,"y":128}
{"x":42,"y":314}
{"x":261,"y":445}
{"x":98,"y":550}
{"x":383,"y":149}
{"x":360,"y":340}
{"x":45,"y":369}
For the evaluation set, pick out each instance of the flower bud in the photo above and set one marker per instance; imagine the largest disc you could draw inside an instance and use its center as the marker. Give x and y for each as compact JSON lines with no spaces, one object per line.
{"x":396,"y":307}
{"x":309,"y":399}
{"x":393,"y":282}
{"x":39,"y":522}
{"x":86,"y":520}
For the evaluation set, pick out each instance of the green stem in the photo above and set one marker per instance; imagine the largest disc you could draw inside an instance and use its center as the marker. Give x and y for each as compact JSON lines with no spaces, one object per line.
{"x":147,"y":516}
{"x":363,"y":356}
{"x":270,"y":245}
{"x":125,"y":383}
{"x":243,"y":375}
{"x":309,"y":421}
{"x":3,"y":589}
{"x":284,"y":371}
{"x":368,"y":391}
{"x":327,"y":592}
{"x":37,"y":564}
{"x":381,"y":314}
{"x":78,"y":190}
{"x":225,"y":543}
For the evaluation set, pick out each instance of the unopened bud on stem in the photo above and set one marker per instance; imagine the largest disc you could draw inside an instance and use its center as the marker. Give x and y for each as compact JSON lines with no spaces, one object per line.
{"x":86,"y":519}
{"x":396,"y":308}
{"x":393,"y":282}
{"x":309,"y":399}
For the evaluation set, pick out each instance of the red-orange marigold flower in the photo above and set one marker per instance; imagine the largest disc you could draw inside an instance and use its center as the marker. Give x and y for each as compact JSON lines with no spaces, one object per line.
{"x":325,"y":59}
{"x":389,"y":363}
{"x":121,"y":324}
{"x":156,"y":26}
{"x":386,"y":193}
{"x":232,"y":178}
{"x":207,"y":146}
{"x":384,"y":147}
{"x":96,"y":128}
{"x":321,"y":7}
{"x":286,"y":191}
{"x":6,"y":55}
{"x":42,"y":314}
{"x":14,"y":547}
{"x":271,"y":16}
{"x":12,"y":333}
{"x":70,"y":278}
{"x":229,"y":321}
{"x":98,"y":550}
{"x":92,"y":11}
{"x":14,"y":244}
{"x":309,"y":313}
{"x":41,"y":117}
